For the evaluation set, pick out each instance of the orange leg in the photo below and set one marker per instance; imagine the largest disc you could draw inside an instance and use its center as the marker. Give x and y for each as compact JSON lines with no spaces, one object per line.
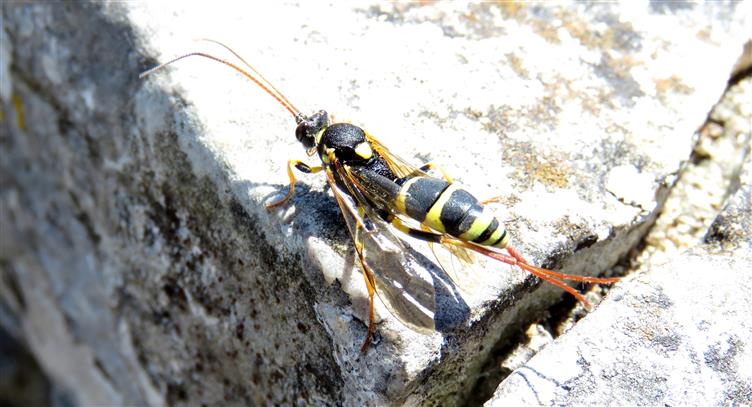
{"x":302,"y":167}
{"x":355,"y":228}
{"x":553,"y":277}
{"x":563,"y":276}
{"x":370,"y":286}
{"x":491,"y":200}
{"x":431,"y":165}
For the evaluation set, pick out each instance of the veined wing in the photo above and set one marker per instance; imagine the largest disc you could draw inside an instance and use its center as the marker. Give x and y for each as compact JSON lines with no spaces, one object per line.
{"x":369,"y":186}
{"x":398,"y":165}
{"x":401,"y":283}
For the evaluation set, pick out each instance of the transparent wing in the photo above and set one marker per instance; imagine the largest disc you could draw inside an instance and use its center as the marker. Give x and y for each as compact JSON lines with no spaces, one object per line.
{"x":458,"y":249}
{"x":399,"y":166}
{"x":456,"y":261}
{"x":400,"y":282}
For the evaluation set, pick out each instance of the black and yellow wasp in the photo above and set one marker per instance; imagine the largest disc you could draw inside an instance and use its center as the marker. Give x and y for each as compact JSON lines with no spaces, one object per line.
{"x":378,"y":192}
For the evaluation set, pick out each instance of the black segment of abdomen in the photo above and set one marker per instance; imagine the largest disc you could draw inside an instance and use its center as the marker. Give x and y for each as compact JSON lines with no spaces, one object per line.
{"x":421,"y":195}
{"x":459,"y":212}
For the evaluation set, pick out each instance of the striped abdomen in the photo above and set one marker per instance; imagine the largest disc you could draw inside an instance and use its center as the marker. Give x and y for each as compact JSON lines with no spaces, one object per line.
{"x":449,"y":209}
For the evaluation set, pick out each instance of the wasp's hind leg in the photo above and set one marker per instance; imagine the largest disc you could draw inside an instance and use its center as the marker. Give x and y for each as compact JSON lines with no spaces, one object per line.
{"x":429,"y":237}
{"x":556,"y":278}
{"x":431,"y":165}
{"x":491,"y":200}
{"x":302,"y":167}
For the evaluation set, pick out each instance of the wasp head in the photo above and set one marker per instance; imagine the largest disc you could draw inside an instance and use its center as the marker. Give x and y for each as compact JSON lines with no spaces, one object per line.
{"x":309,"y":127}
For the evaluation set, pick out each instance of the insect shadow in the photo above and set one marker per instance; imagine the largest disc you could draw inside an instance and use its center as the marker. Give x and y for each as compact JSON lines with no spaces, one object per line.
{"x":436,"y":293}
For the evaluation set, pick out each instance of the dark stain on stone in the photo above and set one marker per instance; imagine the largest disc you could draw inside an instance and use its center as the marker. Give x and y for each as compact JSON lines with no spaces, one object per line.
{"x":723,"y":358}
{"x":175,"y":293}
{"x":585,"y":242}
{"x":9,"y":280}
{"x":239,"y":329}
{"x":670,"y":7}
{"x":616,"y":72}
{"x":176,"y":393}
{"x":668,"y":343}
{"x":102,"y":370}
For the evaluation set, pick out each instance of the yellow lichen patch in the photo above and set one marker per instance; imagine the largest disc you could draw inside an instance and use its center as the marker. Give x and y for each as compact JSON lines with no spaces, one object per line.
{"x":505,"y":200}
{"x":615,"y":37}
{"x":547,"y":31}
{"x":579,"y":30}
{"x":669,"y":87}
{"x":514,"y":9}
{"x":672,"y":84}
{"x":517,"y":66}
{"x":546,"y":172}
{"x":18,"y":107}
{"x":622,"y":66}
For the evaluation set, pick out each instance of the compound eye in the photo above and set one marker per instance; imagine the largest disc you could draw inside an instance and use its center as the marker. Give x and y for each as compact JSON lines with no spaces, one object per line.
{"x":301,"y":133}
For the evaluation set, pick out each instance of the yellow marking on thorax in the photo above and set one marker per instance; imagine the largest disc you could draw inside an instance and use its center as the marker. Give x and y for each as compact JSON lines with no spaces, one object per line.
{"x":318,"y":136}
{"x":364,"y":150}
{"x":328,"y":156}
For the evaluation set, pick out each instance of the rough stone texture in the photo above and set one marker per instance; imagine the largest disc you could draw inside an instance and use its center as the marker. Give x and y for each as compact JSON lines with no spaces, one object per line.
{"x":676,"y":332}
{"x":675,"y":335}
{"x":135,"y":277}
{"x":732,"y":226}
{"x":140,"y":266}
{"x":22,"y":382}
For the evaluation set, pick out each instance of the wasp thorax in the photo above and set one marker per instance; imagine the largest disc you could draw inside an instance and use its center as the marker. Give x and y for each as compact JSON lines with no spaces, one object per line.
{"x":309,"y":128}
{"x":347,"y":141}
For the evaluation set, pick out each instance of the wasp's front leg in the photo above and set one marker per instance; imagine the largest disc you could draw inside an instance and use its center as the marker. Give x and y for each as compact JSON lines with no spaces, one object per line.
{"x":302,"y":167}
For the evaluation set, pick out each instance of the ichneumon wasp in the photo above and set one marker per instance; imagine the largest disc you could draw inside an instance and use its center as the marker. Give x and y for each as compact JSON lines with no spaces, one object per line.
{"x":378,"y":192}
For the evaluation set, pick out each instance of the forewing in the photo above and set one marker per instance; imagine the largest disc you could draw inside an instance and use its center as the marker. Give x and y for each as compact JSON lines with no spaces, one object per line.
{"x":404,"y":287}
{"x":397,"y":164}
{"x":456,"y":261}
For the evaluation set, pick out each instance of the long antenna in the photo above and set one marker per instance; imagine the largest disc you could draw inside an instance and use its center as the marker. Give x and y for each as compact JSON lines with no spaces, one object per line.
{"x":276,"y":94}
{"x":271,"y":85}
